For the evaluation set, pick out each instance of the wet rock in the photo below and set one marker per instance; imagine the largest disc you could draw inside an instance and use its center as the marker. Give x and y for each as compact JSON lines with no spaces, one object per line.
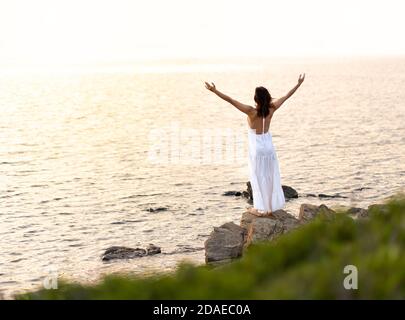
{"x":224,"y":243}
{"x":158,"y":209}
{"x":245,"y":194}
{"x":123,"y":253}
{"x":185,"y":249}
{"x":310,"y":211}
{"x":362,"y":188}
{"x":333,"y":196}
{"x":313,"y":195}
{"x":289,"y":193}
{"x":267,"y":228}
{"x":325,"y":196}
{"x":232,"y":193}
{"x":117,"y":252}
{"x":248,"y":194}
{"x":152,"y":250}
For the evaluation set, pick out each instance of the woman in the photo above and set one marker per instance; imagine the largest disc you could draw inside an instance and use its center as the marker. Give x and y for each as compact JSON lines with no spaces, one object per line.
{"x":264,"y":170}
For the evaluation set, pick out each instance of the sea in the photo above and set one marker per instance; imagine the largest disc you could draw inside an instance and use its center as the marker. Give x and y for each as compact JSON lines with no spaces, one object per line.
{"x":142,"y":153}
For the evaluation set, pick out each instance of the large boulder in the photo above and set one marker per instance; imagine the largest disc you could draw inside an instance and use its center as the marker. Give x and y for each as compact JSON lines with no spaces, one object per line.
{"x":267,"y":228}
{"x":309,"y":211}
{"x":116,"y":252}
{"x":224,"y":243}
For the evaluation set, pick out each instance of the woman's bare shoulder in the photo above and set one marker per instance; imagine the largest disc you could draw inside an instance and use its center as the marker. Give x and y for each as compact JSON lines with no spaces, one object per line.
{"x":252,"y":112}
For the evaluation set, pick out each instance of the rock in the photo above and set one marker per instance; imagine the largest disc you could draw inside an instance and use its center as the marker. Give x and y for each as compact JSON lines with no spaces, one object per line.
{"x":224,"y":243}
{"x":262,"y":229}
{"x":246,"y":220}
{"x":310,"y":211}
{"x":289,"y":192}
{"x":232,"y":193}
{"x":158,"y":209}
{"x":362,"y":188}
{"x":116,"y":252}
{"x":185,"y":249}
{"x":267,"y":228}
{"x":245,"y":194}
{"x":123,"y":253}
{"x":152,"y":250}
{"x":358,"y":213}
{"x":248,"y":194}
{"x":311,"y":195}
{"x":333,"y":196}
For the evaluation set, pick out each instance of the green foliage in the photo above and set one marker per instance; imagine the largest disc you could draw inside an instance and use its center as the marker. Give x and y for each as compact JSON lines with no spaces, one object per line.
{"x":307,"y":263}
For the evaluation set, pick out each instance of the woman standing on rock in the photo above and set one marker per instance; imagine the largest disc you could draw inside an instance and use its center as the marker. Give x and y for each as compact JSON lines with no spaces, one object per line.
{"x":264,"y":170}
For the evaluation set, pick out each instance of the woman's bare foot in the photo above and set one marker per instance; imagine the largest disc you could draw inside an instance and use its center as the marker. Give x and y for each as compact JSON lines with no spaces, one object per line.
{"x":269,"y":215}
{"x":254,"y":211}
{"x":260,"y":214}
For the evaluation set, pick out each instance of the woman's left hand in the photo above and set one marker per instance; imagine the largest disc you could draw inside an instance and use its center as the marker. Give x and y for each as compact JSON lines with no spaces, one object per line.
{"x":301,"y":79}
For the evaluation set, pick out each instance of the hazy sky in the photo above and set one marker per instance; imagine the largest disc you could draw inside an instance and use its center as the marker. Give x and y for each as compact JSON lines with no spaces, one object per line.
{"x":83,"y":31}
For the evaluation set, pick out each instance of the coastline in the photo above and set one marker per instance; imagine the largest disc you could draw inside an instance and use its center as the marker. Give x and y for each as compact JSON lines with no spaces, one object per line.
{"x":324,"y":230}
{"x":269,"y":233}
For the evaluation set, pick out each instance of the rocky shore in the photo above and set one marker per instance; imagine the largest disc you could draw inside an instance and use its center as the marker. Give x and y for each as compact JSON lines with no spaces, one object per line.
{"x":228,"y":241}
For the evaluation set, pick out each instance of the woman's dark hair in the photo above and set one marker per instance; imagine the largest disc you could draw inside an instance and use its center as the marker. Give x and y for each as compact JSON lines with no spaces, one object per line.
{"x":263,"y":100}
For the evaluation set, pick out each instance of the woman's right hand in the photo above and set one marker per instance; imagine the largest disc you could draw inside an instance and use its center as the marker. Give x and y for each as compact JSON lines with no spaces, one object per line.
{"x":210,"y":87}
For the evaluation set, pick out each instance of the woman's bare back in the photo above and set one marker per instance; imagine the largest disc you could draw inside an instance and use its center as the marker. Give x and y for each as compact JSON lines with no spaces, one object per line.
{"x":256,"y":123}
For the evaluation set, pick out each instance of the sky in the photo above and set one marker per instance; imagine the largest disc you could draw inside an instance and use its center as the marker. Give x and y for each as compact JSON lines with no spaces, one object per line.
{"x":57,"y":32}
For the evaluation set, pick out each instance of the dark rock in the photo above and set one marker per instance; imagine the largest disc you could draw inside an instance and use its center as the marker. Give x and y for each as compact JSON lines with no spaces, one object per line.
{"x":245,"y":194}
{"x":158,"y":209}
{"x":116,"y":252}
{"x":185,"y":249}
{"x":267,"y":228}
{"x":311,"y":195}
{"x":289,"y":193}
{"x":232,"y":193}
{"x":362,"y":188}
{"x":152,"y":250}
{"x":123,"y":253}
{"x":248,"y":194}
{"x":333,"y":196}
{"x":310,"y":211}
{"x":326,"y":196}
{"x":224,"y":243}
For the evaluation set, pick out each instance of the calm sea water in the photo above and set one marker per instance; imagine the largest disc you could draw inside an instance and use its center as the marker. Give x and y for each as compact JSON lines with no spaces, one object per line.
{"x":77,"y":174}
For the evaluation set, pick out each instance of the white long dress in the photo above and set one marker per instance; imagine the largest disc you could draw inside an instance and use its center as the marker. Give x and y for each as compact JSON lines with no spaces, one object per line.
{"x":264,"y":171}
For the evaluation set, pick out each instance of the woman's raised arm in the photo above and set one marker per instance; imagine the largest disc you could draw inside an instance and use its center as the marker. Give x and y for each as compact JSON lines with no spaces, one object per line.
{"x":277,"y":103}
{"x":240,"y":106}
